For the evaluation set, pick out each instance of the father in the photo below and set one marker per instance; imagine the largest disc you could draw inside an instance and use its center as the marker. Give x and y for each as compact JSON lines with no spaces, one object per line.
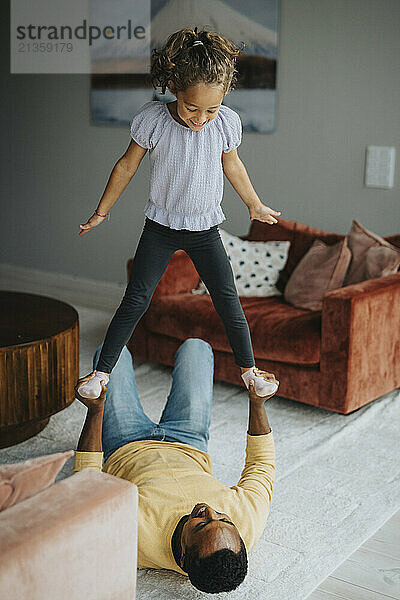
{"x":177,"y":527}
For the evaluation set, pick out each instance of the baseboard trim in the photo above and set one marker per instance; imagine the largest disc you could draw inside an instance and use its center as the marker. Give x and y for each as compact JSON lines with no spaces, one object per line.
{"x":75,"y":290}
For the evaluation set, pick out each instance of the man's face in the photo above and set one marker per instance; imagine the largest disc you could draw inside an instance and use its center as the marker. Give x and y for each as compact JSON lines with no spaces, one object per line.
{"x":210,"y":531}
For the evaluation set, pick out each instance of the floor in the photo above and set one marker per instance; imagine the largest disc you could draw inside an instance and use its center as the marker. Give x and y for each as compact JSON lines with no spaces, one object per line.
{"x":371,"y":573}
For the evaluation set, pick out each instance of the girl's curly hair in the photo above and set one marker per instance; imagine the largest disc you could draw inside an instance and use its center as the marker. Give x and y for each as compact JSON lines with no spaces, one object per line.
{"x":185,"y":65}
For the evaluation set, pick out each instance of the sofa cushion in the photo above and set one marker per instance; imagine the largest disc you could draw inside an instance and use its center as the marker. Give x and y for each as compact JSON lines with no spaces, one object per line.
{"x":300,"y":237}
{"x":321,"y":269}
{"x":255,"y":265}
{"x":279,"y":331}
{"x":372,"y":256}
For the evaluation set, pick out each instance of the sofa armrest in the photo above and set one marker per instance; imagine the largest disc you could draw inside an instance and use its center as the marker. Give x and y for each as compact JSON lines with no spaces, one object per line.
{"x":77,"y":539}
{"x":180,"y":276}
{"x":360,"y":341}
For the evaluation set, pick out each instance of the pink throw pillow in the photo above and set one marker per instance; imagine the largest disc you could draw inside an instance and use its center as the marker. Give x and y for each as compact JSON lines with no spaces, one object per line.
{"x":372,"y":256}
{"x":321,"y":269}
{"x":25,"y":479}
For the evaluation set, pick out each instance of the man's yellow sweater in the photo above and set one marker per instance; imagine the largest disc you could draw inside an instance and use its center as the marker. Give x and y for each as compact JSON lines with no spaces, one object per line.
{"x":172,"y":477}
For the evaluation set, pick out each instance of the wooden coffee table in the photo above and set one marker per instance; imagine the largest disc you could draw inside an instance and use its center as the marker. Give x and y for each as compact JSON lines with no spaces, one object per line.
{"x":39,"y":362}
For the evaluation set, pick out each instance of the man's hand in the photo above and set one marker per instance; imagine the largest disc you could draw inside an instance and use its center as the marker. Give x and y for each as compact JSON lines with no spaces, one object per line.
{"x":253,"y":397}
{"x":91,"y":403}
{"x":258,"y":420}
{"x":91,"y":436}
{"x":263,"y":213}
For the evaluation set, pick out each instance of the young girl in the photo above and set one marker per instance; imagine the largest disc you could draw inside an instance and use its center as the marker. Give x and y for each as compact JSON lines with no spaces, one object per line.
{"x":191,"y":142}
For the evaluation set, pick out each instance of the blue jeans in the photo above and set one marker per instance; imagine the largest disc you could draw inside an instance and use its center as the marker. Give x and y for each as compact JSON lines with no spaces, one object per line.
{"x":186,"y":416}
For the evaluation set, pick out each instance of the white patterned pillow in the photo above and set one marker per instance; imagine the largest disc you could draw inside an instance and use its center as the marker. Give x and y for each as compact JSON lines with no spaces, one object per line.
{"x":256,"y":265}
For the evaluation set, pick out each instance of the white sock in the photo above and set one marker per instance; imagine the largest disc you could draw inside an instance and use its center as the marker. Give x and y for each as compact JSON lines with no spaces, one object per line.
{"x":92,"y":388}
{"x":261,"y":386}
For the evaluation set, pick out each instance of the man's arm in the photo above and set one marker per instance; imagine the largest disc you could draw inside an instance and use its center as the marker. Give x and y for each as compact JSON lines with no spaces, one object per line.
{"x":258,"y":420}
{"x":90,"y":439}
{"x":259,"y":471}
{"x":255,"y":487}
{"x":89,"y":451}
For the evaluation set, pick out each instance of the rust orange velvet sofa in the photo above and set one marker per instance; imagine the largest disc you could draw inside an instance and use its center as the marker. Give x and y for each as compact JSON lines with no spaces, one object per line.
{"x":339,"y":358}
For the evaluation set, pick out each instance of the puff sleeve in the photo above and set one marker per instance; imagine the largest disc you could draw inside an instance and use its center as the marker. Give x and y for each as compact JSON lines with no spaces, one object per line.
{"x":142,"y":126}
{"x":232,"y":128}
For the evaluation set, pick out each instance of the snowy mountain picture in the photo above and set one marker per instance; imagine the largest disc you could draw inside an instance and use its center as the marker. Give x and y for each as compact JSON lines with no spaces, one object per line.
{"x":117,"y":95}
{"x":216,"y":15}
{"x":123,"y":53}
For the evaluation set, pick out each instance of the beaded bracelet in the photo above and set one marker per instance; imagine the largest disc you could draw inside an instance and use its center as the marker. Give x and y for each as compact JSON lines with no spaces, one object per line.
{"x":99,"y":215}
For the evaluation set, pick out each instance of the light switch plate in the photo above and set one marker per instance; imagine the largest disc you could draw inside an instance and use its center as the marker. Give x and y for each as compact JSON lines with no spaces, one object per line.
{"x":379,"y":166}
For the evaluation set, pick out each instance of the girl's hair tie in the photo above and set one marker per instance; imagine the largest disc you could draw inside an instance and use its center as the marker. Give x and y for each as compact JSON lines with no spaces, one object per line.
{"x":198,"y":43}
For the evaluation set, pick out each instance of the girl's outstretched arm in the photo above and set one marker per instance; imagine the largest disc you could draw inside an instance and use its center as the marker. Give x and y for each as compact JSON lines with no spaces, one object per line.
{"x":122,"y":173}
{"x":236,"y":172}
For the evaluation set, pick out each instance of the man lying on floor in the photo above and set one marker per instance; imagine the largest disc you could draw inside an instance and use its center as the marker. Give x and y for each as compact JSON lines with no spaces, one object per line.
{"x":188,"y":521}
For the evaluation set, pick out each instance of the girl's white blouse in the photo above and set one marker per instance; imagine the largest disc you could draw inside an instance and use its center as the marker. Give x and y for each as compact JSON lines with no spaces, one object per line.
{"x":186,"y":176}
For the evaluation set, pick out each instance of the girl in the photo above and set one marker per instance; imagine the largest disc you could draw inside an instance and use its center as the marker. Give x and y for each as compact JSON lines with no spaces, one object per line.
{"x":191,"y":142}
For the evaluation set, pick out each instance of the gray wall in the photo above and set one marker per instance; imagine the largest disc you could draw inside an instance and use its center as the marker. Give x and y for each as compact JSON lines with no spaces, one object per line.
{"x":338,"y":90}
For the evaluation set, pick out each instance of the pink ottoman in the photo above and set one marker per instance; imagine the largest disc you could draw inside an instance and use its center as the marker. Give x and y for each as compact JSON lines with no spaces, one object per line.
{"x":76,"y":540}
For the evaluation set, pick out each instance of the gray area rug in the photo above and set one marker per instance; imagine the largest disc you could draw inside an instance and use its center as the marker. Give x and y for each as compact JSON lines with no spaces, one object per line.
{"x":338,"y":477}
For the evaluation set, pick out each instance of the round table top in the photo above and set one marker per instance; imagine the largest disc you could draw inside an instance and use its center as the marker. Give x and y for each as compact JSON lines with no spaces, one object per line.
{"x":27,"y":318}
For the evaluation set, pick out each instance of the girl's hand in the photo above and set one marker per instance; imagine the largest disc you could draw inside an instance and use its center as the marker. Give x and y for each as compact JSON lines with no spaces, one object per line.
{"x":92,"y":222}
{"x":263,"y":213}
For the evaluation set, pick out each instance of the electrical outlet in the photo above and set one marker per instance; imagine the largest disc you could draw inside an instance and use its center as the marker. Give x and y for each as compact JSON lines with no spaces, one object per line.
{"x":379,"y":166}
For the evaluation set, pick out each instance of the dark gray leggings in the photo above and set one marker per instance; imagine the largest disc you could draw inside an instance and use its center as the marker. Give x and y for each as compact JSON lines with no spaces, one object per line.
{"x":156,"y":246}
